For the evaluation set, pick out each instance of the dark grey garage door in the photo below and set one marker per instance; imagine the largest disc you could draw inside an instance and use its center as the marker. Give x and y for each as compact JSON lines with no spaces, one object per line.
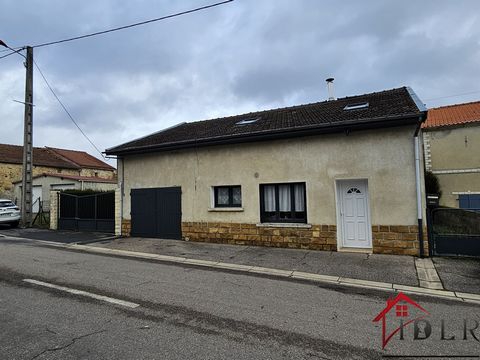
{"x":157,"y":212}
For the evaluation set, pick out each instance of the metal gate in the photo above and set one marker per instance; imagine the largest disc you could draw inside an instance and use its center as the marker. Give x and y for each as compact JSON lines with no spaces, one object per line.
{"x":454,"y":232}
{"x":157,"y":212}
{"x":87,"y":212}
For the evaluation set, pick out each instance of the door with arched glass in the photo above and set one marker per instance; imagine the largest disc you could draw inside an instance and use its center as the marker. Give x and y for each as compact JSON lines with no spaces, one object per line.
{"x":354,"y":214}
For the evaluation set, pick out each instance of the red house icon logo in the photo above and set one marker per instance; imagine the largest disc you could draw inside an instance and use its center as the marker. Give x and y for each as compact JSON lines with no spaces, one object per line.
{"x":400,"y":310}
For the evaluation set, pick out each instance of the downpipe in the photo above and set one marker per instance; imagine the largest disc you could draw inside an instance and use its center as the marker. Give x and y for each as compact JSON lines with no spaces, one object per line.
{"x":419,"y":191}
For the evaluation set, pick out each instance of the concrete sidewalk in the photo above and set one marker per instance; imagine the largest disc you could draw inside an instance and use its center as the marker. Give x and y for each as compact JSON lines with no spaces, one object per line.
{"x":374,"y":267}
{"x":447,"y":274}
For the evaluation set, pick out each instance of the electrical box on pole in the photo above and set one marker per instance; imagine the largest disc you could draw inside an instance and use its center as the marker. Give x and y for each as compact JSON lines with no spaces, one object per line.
{"x":27,"y":170}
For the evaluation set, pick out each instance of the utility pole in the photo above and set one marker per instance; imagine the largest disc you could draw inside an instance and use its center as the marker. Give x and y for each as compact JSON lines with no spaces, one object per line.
{"x":28,"y":143}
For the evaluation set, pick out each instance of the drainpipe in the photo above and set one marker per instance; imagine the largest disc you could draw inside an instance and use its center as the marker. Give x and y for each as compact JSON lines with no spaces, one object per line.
{"x":419,"y":190}
{"x":121,"y":159}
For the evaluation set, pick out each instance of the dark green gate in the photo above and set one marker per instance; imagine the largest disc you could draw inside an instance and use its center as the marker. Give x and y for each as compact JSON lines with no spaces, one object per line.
{"x":87,"y":212}
{"x":454,"y":232}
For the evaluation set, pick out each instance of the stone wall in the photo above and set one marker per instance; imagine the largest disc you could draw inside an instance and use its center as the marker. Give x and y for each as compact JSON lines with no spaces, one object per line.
{"x":104,"y":174}
{"x":315,"y":237}
{"x":9,"y":173}
{"x":398,"y":239}
{"x":118,"y":212}
{"x":386,"y":239}
{"x":54,"y":208}
{"x":126,"y":227}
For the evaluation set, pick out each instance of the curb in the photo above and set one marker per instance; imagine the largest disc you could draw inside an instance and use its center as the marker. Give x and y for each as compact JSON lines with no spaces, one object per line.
{"x":291,"y":274}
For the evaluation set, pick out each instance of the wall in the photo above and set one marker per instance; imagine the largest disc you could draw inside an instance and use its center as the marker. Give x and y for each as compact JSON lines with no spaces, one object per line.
{"x":10,"y":173}
{"x":453,"y":157}
{"x":384,"y":157}
{"x":104,"y":174}
{"x":49,"y":183}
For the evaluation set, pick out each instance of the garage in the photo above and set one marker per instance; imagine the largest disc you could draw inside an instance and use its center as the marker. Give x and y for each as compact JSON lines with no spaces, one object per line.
{"x":157,"y":212}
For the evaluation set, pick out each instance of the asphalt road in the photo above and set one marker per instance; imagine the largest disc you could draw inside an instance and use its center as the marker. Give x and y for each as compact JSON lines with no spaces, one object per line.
{"x":187,"y":312}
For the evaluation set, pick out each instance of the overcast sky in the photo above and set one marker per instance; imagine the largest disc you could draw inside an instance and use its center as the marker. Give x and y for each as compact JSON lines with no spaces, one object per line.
{"x":244,"y":56}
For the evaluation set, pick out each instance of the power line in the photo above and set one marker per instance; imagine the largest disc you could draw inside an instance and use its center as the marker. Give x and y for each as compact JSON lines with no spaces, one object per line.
{"x":64,"y":108}
{"x":11,"y":53}
{"x":132,"y":25}
{"x":455,"y":95}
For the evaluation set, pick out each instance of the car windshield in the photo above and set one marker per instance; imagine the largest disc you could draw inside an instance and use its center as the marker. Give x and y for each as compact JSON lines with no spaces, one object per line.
{"x":4,"y":204}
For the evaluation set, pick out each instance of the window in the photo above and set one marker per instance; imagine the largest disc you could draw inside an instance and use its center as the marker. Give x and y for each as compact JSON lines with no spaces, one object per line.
{"x":247,"y":121}
{"x":356,"y":106}
{"x":283,"y":203}
{"x":228,"y":196}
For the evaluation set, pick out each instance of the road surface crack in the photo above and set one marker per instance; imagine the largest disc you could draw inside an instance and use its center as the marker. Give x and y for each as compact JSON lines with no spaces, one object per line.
{"x":56,"y":348}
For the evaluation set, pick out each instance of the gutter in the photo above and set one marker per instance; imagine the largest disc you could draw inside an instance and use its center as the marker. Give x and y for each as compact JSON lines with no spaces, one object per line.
{"x":416,"y":144}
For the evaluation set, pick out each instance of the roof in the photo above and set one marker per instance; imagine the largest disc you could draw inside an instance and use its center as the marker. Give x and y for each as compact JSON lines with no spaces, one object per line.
{"x":75,"y":178}
{"x":453,"y":115}
{"x":386,"y":108}
{"x":52,"y":157}
{"x":81,"y":158}
{"x":13,"y":154}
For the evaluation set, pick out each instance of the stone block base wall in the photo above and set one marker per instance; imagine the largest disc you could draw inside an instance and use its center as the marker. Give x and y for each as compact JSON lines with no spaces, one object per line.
{"x":387,"y":239}
{"x":126,"y":227}
{"x":398,"y":239}
{"x":317,"y":237}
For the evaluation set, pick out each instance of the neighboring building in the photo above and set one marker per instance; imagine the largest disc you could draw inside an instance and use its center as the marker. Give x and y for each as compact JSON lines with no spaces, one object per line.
{"x":42,"y":185}
{"x":333,"y":175}
{"x":48,"y":161}
{"x":452,"y":152}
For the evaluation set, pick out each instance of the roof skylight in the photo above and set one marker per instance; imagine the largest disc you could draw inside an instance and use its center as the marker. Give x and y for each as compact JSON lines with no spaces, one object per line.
{"x":247,"y":121}
{"x":356,"y":106}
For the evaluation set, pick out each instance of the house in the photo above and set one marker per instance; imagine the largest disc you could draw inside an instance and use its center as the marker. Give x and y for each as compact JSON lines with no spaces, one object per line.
{"x":42,"y":184}
{"x":452,"y":147}
{"x":334,"y":175}
{"x":50,"y":161}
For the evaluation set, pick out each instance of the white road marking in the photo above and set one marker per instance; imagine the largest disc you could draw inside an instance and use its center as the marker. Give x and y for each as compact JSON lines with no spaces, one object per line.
{"x":84,"y":293}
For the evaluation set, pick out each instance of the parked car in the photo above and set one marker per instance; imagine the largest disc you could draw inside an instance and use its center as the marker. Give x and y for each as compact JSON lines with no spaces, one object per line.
{"x":9,"y":213}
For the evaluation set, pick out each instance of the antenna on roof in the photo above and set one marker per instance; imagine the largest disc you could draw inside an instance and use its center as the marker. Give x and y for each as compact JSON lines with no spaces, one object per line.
{"x":331,"y":95}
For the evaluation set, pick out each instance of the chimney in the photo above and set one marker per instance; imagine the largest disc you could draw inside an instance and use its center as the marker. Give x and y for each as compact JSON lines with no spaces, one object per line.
{"x":331,"y":95}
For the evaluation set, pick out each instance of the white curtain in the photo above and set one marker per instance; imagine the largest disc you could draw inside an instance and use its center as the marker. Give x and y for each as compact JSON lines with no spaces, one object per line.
{"x":269,"y":198}
{"x":299,"y":192}
{"x":284,"y":198}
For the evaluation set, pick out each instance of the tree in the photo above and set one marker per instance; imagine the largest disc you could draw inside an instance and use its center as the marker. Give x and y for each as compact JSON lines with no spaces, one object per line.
{"x":432,"y":186}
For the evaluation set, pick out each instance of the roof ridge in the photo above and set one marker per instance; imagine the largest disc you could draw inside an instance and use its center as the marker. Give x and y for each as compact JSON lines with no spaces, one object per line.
{"x":61,"y":157}
{"x":292,"y":107}
{"x":454,"y":105}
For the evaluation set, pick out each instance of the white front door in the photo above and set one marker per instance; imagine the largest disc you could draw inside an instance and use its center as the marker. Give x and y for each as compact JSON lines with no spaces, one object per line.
{"x":354,"y":212}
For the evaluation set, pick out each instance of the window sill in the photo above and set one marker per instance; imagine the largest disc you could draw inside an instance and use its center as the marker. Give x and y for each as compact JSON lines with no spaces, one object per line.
{"x":226,"y":209}
{"x":285,"y":225}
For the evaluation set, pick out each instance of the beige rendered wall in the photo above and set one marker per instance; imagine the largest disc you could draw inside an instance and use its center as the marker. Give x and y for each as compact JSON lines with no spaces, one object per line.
{"x":384,"y":157}
{"x":455,"y":158}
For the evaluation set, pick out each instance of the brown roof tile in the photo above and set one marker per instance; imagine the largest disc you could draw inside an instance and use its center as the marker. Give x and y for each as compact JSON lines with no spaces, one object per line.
{"x":13,"y":154}
{"x":81,"y":158}
{"x":385,"y":107}
{"x":453,"y":115}
{"x":52,"y":157}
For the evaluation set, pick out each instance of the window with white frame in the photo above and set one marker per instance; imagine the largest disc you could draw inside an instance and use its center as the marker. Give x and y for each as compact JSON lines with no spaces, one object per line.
{"x":227,"y":196}
{"x":283,"y":203}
